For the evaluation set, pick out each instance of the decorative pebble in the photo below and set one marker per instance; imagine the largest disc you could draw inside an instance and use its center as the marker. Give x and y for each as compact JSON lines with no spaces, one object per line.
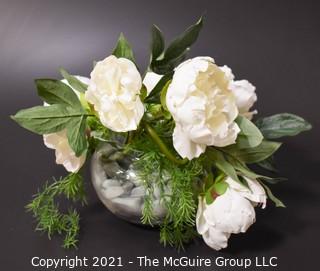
{"x":138,"y":191}
{"x":127,"y":186}
{"x":113,"y":192}
{"x":128,"y":205}
{"x":110,"y":182}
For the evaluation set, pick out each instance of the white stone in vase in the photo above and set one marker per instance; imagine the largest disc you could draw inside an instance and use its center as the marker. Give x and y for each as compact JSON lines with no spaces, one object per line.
{"x":112,"y":192}
{"x":159,"y":210}
{"x":156,"y":191}
{"x":127,"y":186}
{"x":138,"y":191}
{"x":132,"y":177}
{"x":129,"y":204}
{"x":110,"y":182}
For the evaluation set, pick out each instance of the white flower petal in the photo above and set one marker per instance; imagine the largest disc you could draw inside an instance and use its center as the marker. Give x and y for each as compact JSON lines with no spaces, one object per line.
{"x":254,"y":193}
{"x":244,"y":93}
{"x":64,"y":154}
{"x":202,"y":106}
{"x":150,"y":80}
{"x":228,"y":72}
{"x":114,"y":90}
{"x":216,"y":239}
{"x":201,"y":224}
{"x":59,"y":142}
{"x":184,"y":146}
{"x":230,"y":213}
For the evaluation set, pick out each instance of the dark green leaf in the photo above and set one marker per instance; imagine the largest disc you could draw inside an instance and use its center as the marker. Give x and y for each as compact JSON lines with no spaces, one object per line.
{"x":177,"y":50}
{"x":184,"y":41}
{"x":123,"y":49}
{"x":217,"y":158}
{"x":276,"y":201}
{"x":46,"y":119}
{"x":76,"y":135}
{"x":280,"y":125}
{"x":55,"y":92}
{"x":249,"y":136}
{"x":245,"y":171}
{"x":253,"y":155}
{"x":166,"y":66}
{"x":157,"y":43}
{"x":268,"y":164}
{"x":73,"y":81}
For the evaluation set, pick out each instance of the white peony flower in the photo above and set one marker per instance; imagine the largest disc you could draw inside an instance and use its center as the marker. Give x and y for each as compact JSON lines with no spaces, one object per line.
{"x":64,"y":154}
{"x":150,"y":80}
{"x":214,"y":238}
{"x":244,"y":92}
{"x":59,"y":142}
{"x":114,"y":91}
{"x":232,"y":212}
{"x":255,"y":193}
{"x":203,"y":107}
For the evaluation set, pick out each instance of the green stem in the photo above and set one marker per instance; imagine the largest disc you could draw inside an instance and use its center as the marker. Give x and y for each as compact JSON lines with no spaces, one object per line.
{"x":162,"y":146}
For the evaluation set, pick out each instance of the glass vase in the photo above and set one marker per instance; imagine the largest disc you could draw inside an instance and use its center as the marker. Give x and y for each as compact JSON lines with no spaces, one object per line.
{"x":117,"y":183}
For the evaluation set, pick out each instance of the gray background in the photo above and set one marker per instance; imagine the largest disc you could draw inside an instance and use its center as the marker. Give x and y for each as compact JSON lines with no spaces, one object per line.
{"x":274,"y":44}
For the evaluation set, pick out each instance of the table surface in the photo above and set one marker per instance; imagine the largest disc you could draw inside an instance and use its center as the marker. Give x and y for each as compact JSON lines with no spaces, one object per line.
{"x":274,"y":44}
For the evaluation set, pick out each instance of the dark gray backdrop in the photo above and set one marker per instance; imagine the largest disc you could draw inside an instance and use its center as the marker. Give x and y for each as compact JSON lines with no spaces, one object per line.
{"x":274,"y":44}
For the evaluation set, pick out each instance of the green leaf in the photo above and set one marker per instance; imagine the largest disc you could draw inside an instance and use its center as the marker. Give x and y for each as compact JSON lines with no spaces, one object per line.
{"x":73,"y":81}
{"x":220,"y":187}
{"x":245,"y":171}
{"x":184,"y":41}
{"x":217,"y":189}
{"x":217,"y":158}
{"x":209,"y":197}
{"x":123,"y":49}
{"x":249,"y":136}
{"x":143,"y":93}
{"x":253,"y":155}
{"x":276,"y":201}
{"x":177,"y":50}
{"x":165,"y":66}
{"x":46,"y":119}
{"x":55,"y":92}
{"x":154,"y":95}
{"x":77,"y":135}
{"x":268,"y":164}
{"x":157,"y":43}
{"x":280,"y":125}
{"x":163,"y":96}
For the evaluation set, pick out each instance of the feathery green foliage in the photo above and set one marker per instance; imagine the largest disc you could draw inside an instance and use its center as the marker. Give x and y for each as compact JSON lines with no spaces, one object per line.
{"x":46,"y":211}
{"x":156,"y":170}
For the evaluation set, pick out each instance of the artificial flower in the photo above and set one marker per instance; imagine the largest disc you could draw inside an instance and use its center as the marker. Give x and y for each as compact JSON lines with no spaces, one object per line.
{"x":214,"y":238}
{"x":64,"y":154}
{"x":244,"y":92}
{"x":253,"y":191}
{"x":59,"y":142}
{"x":114,"y":90}
{"x":203,"y":107}
{"x":231,"y":212}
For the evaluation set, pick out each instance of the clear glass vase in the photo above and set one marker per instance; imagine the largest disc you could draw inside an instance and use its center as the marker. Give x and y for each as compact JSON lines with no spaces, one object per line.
{"x":119,"y":187}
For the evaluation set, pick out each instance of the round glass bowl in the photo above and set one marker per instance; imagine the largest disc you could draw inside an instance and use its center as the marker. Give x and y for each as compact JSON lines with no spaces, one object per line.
{"x":119,"y":187}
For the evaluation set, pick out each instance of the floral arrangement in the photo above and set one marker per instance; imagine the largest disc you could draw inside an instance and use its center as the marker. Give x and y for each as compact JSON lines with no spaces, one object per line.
{"x":188,"y":120}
